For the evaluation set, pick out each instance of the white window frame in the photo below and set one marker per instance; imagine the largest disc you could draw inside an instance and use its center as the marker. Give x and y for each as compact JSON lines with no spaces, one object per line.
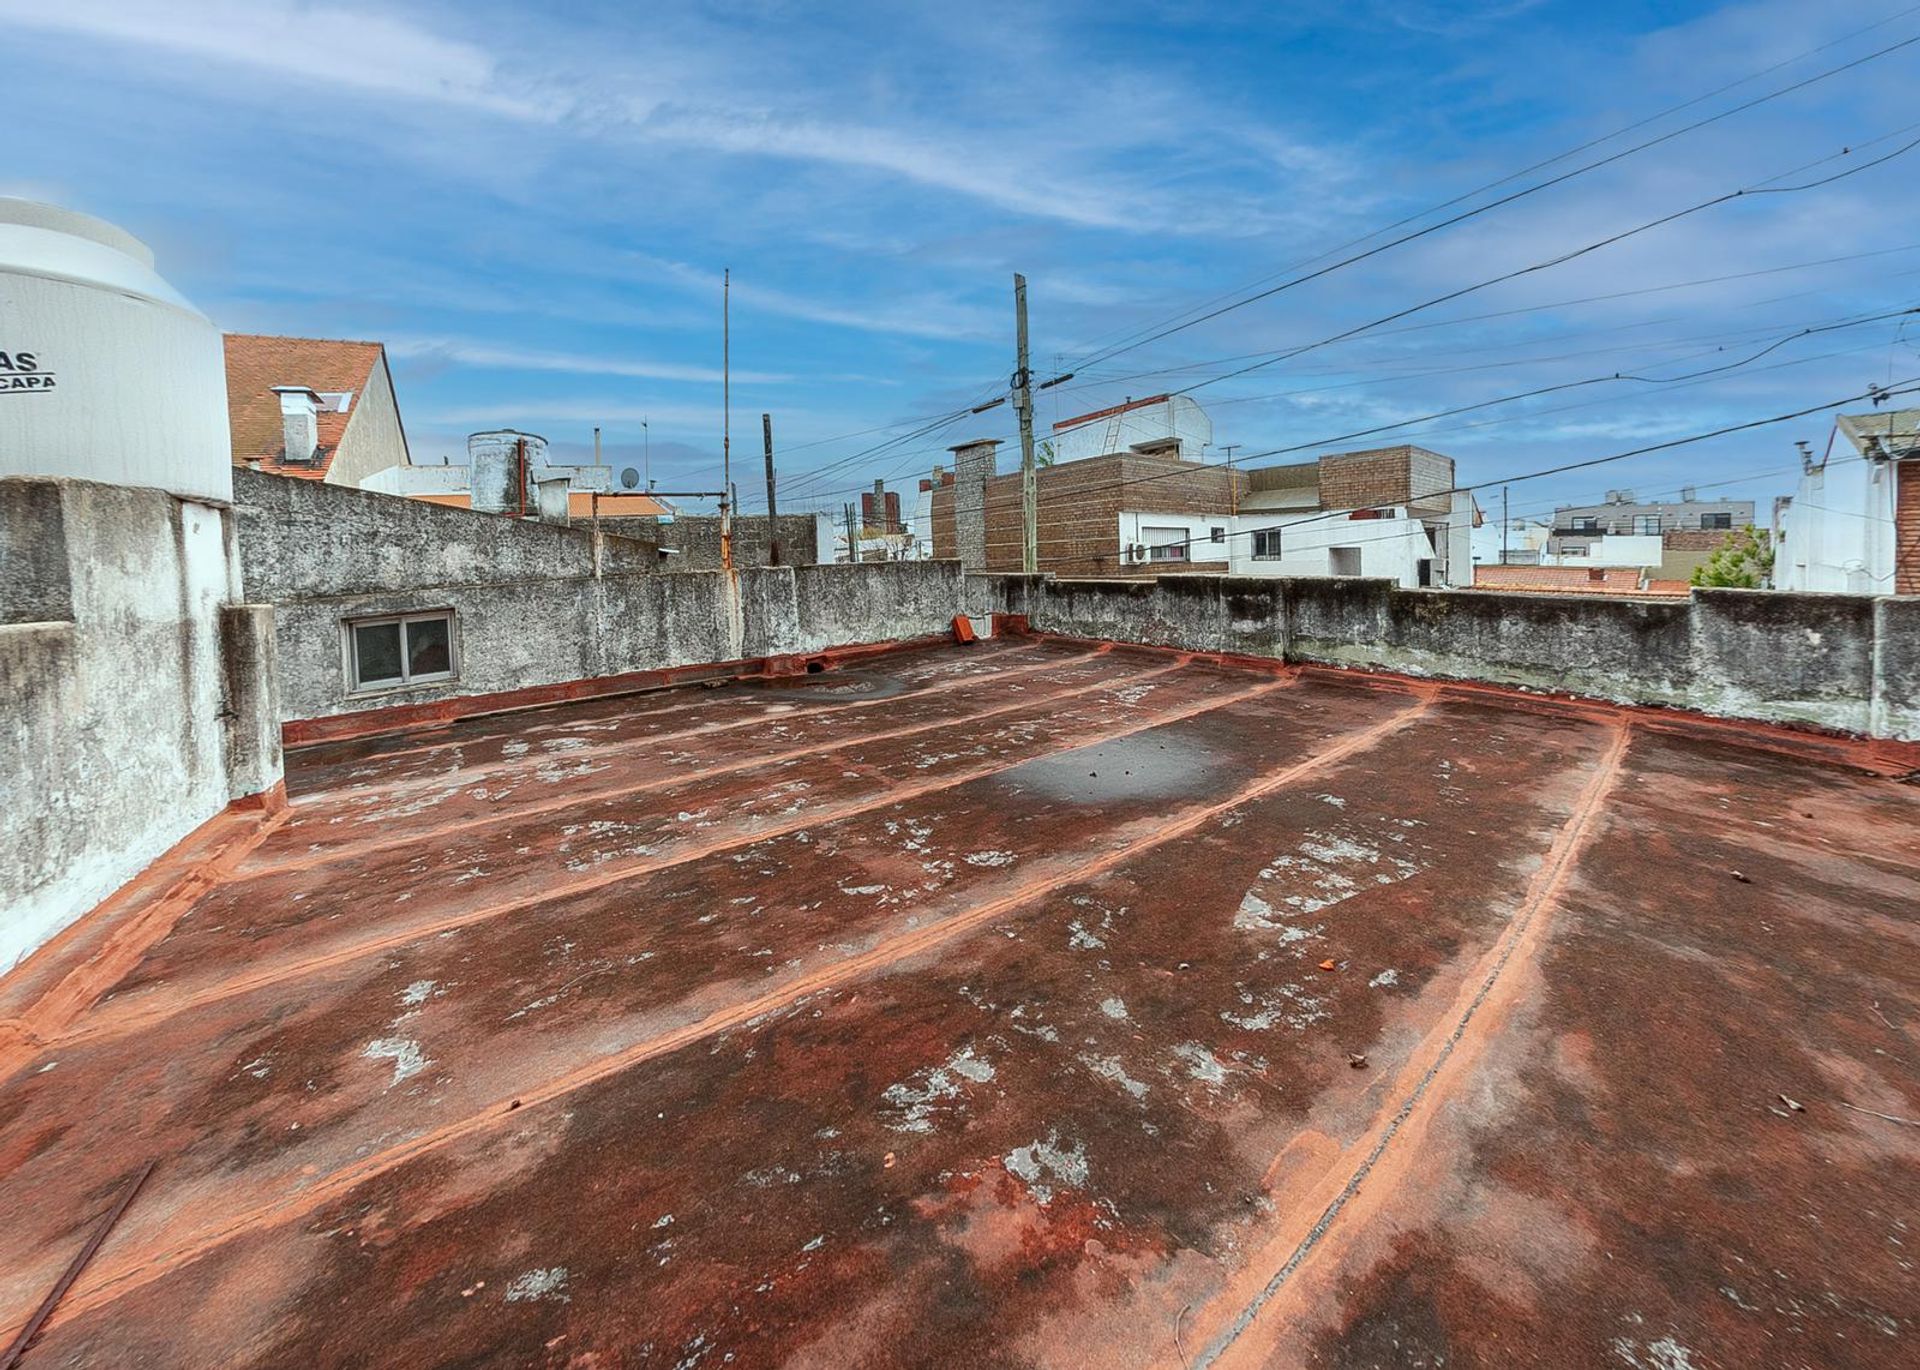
{"x":406,"y":680}
{"x":1176,"y":550}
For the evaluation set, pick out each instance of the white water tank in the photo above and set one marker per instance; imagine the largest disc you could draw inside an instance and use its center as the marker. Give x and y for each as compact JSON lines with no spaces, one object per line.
{"x":106,"y":372}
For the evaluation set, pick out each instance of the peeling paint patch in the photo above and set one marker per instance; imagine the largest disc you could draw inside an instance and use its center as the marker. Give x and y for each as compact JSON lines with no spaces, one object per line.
{"x":1201,"y":1064}
{"x":1109,"y":1068}
{"x":404,"y":1052}
{"x":920,"y":1098}
{"x":1043,"y":1164}
{"x":547,"y":1283}
{"x":1386,"y":979}
{"x":990,"y":858}
{"x":1114,"y":1008}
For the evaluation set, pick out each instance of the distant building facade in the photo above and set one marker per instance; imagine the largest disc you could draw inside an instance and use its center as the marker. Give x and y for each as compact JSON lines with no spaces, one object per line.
{"x":1389,"y":512}
{"x":1853,"y":524}
{"x":313,"y":408}
{"x":1576,"y":527}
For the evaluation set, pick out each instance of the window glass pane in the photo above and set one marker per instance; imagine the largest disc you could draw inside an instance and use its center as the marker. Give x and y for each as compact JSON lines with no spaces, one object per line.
{"x":376,"y":653}
{"x":428,"y":651}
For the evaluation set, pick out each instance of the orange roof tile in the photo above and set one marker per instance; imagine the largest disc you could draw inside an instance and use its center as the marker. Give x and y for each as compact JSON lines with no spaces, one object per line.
{"x":1573,"y":580}
{"x":255,"y":364}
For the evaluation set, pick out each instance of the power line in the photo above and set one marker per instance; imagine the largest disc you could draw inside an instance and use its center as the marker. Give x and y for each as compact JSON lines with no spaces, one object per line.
{"x":1677,"y":382}
{"x":1563,"y":258}
{"x":1521,"y":194}
{"x":1875,"y":394}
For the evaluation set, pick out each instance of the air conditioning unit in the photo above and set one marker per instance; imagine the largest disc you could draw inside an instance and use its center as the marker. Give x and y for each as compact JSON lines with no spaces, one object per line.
{"x":1138,"y":551}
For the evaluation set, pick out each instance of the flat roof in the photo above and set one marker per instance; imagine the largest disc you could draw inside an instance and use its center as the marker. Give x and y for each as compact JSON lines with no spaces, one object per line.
{"x":1040,"y":1003}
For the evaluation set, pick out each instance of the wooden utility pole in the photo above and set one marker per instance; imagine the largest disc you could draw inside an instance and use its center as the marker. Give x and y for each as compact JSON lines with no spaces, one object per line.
{"x":1504,"y":525}
{"x":1023,"y":406}
{"x":773,"y":510}
{"x":853,"y":540}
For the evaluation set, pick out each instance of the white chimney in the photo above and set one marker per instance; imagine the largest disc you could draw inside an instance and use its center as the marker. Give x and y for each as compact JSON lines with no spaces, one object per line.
{"x":298,"y":407}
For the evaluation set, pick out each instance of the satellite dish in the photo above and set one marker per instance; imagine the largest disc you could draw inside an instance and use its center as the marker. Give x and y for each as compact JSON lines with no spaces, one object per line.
{"x":629,"y":478}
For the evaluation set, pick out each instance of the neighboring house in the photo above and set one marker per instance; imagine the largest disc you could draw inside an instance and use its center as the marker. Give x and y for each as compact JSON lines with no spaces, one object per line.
{"x":1091,"y":513}
{"x":315,"y":408}
{"x":1576,"y":526}
{"x":1168,"y":424}
{"x":1853,"y":525}
{"x":1387,"y":512}
{"x":1149,"y":513}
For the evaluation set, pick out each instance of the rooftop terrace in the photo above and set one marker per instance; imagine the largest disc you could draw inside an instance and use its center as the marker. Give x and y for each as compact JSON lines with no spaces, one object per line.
{"x":1044,"y":1003}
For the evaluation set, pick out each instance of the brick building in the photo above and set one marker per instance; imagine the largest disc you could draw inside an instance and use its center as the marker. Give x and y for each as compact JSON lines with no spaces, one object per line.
{"x":1140,"y":513}
{"x":1081,"y":509}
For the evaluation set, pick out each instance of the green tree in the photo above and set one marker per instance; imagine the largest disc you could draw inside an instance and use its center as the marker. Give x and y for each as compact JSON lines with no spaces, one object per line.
{"x":1743,"y":562}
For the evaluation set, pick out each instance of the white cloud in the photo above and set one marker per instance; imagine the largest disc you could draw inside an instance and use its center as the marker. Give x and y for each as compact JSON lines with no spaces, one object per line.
{"x":491,"y":356}
{"x":324,"y":44}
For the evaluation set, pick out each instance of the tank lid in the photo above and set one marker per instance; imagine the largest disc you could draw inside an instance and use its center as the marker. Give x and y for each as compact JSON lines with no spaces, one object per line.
{"x":47,"y":240}
{"x":33,"y":214}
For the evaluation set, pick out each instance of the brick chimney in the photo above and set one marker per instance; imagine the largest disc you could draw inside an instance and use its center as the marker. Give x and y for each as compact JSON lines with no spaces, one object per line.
{"x":973,"y":468}
{"x":299,"y":422}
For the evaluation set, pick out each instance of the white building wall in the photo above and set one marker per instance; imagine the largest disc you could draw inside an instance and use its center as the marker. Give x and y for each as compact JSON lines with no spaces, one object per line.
{"x":1194,"y":531}
{"x":1178,"y":416}
{"x":1388,"y":548}
{"x":1837,"y":535}
{"x":1626,"y":550}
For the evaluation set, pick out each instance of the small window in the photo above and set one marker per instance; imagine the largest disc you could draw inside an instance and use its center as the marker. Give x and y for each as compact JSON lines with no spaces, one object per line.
{"x":1645,"y":525}
{"x":1716,"y":520}
{"x":1216,"y":534}
{"x":1586,"y":524}
{"x":1574,"y":549}
{"x":405,"y":649}
{"x":1343,"y":561}
{"x":1266,"y":544}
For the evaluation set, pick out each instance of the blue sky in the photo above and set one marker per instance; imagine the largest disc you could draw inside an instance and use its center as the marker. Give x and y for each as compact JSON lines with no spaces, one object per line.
{"x":532,"y":207}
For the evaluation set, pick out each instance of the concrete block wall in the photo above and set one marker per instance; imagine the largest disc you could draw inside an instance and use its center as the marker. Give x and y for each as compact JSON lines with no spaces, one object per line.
{"x":133,"y":689}
{"x":304,"y":537}
{"x":1843,"y":662}
{"x":528,"y":609}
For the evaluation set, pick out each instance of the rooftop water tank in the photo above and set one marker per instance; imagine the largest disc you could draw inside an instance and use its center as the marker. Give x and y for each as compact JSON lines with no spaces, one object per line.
{"x":501,"y":464}
{"x":106,"y":372}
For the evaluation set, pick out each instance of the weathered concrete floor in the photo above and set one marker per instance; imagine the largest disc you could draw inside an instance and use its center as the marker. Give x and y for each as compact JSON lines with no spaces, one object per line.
{"x":989,"y":1024}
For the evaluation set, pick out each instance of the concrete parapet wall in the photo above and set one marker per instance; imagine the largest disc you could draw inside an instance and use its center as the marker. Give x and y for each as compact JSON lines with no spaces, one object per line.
{"x":1842,"y":662}
{"x":840,"y":606}
{"x":132,"y":685}
{"x":304,"y":538}
{"x":528,"y":609}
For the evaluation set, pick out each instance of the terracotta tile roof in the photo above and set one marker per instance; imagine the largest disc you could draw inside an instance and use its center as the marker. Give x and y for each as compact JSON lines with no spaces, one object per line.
{"x":1574,"y":580}
{"x":255,"y":364}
